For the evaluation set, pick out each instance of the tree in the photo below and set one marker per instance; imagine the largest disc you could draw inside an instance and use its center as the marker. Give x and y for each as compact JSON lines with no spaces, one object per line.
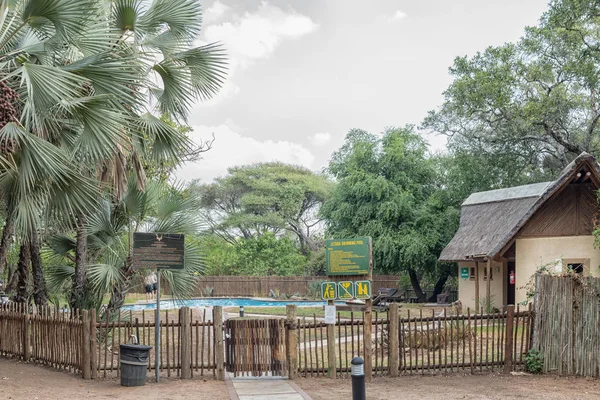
{"x":271,"y":197}
{"x":78,"y":74}
{"x":531,"y":104}
{"x":263,"y":255}
{"x":387,"y":189}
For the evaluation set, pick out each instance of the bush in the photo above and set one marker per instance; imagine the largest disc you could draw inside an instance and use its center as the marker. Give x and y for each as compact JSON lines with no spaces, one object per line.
{"x":534,"y":361}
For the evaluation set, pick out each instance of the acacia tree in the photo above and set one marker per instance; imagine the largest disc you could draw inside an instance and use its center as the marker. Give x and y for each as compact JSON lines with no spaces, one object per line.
{"x":79,"y":73}
{"x":269,"y":197}
{"x":530,"y":103}
{"x":387,"y":189}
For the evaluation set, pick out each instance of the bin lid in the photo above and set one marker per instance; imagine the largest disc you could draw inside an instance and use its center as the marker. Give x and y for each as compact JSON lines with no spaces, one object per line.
{"x":129,"y":346}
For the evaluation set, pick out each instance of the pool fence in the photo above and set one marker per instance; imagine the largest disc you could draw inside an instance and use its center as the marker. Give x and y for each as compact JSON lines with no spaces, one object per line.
{"x":206,"y":343}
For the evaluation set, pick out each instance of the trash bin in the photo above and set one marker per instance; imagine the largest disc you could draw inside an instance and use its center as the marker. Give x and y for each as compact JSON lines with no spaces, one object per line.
{"x":134,"y":364}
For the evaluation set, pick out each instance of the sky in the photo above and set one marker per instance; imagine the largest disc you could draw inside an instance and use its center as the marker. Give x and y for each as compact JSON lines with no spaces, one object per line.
{"x":302,"y":73}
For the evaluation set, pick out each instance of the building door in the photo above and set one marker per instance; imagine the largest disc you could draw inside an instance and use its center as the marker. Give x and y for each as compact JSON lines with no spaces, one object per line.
{"x":510,"y":287}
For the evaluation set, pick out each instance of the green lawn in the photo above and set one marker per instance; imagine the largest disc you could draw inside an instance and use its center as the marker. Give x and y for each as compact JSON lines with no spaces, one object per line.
{"x":302,"y":312}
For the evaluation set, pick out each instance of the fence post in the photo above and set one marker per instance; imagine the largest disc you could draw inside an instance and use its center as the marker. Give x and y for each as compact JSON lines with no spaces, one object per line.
{"x":185,"y":341}
{"x":331,"y":366}
{"x":85,"y":356}
{"x":26,"y":336}
{"x":292,"y":341}
{"x":219,"y":348}
{"x":394,"y":353}
{"x":93,"y":341}
{"x":508,"y":345}
{"x":368,"y":341}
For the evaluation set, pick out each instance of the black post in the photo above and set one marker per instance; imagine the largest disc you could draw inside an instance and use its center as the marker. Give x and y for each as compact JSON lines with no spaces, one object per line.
{"x":358,"y":379}
{"x":241,"y":311}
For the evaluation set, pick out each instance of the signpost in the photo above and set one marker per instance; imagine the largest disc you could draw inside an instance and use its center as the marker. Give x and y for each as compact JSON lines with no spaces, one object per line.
{"x":348,"y":256}
{"x":158,"y":251}
{"x":349,"y":262}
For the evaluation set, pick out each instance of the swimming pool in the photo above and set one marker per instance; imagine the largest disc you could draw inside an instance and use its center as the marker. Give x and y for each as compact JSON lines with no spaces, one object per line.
{"x":225,"y":302}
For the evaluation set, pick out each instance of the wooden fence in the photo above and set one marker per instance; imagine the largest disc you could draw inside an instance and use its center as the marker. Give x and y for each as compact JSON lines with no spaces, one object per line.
{"x":418,"y":344}
{"x":193,"y":342}
{"x":260,"y":286}
{"x":567,"y":324}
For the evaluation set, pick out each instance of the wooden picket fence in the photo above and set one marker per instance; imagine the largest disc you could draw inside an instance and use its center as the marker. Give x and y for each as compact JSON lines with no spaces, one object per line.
{"x":193,"y":342}
{"x":418,"y":344}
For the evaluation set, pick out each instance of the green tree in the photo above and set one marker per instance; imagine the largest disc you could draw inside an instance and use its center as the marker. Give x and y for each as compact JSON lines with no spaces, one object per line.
{"x":77,"y":75}
{"x":388,"y":189}
{"x":271,"y":197}
{"x":262,"y":255}
{"x":530,"y":105}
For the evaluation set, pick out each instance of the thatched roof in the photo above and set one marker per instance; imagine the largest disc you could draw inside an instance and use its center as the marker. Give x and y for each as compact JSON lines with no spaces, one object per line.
{"x":490,"y":220}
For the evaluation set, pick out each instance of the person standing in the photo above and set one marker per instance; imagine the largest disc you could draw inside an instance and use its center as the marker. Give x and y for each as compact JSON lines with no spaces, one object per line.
{"x":154,"y":281}
{"x":148,"y":286}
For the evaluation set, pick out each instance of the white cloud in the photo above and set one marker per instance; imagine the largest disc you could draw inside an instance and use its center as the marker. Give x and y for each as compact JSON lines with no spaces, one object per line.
{"x":320,"y":139}
{"x":398,"y":15}
{"x":232,"y":148}
{"x":215,"y":12}
{"x":256,"y":35}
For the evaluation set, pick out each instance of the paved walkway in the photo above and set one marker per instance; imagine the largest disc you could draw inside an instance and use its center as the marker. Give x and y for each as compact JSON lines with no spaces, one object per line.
{"x":263,"y":389}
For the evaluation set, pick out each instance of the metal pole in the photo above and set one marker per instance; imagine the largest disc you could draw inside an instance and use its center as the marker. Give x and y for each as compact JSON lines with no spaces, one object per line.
{"x":358,"y":379}
{"x":241,"y":311}
{"x":157,"y":329}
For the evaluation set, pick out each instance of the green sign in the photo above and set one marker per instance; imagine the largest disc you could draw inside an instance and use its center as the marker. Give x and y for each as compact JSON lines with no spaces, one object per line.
{"x":328,"y":290}
{"x":158,"y":250}
{"x":464,"y":272}
{"x":363,"y":289}
{"x":348,"y":256}
{"x":346,"y":290}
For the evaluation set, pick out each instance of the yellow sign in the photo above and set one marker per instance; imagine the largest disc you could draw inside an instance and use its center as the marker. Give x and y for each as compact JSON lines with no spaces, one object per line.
{"x":328,"y":290}
{"x":346,"y":290}
{"x":363,"y":289}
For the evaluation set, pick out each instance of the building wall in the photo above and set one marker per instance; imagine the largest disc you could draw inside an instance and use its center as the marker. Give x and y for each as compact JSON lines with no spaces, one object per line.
{"x":466,"y":287}
{"x":532,"y":253}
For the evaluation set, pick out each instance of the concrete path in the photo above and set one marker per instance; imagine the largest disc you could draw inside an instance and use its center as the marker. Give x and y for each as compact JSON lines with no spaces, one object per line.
{"x":263,"y":389}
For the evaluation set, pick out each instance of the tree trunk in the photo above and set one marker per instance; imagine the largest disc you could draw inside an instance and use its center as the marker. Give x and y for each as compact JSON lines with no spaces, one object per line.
{"x":6,"y":241}
{"x":119,"y":291}
{"x":79,"y":280}
{"x":439,"y":286}
{"x":414,"y":281}
{"x":40,"y":292}
{"x":22,"y":274}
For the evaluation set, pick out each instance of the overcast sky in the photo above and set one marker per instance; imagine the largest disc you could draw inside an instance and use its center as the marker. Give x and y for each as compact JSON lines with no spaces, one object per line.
{"x":304,"y":72}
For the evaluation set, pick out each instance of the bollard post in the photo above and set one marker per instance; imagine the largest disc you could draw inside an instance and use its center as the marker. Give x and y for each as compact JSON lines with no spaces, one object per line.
{"x":241,"y":311}
{"x":358,"y":379}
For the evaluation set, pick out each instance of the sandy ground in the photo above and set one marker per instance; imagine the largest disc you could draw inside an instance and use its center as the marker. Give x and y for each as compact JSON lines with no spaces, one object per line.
{"x":458,"y":387}
{"x":25,"y":381}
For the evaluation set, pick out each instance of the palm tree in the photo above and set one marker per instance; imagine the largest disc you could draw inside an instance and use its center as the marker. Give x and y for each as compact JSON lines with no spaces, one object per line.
{"x":81,"y":80}
{"x":159,"y":208}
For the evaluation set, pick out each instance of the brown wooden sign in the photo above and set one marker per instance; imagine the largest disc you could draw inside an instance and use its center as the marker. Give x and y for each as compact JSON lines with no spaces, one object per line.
{"x":158,"y":250}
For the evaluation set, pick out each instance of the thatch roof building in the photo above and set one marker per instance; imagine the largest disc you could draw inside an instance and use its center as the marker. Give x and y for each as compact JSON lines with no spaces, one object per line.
{"x":494,"y":223}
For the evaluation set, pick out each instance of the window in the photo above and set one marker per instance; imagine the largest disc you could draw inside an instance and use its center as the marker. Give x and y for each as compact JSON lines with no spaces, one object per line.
{"x":485,"y":273}
{"x":580,"y":266}
{"x":472,"y":274}
{"x":577,"y":268}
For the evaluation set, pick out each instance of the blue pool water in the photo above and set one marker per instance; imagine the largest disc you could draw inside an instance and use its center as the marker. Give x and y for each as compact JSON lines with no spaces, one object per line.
{"x":225,"y":302}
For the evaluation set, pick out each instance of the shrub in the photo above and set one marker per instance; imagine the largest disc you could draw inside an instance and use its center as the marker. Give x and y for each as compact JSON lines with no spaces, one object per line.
{"x":534,"y":361}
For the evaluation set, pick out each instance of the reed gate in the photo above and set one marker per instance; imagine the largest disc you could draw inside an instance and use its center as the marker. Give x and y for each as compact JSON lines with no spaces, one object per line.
{"x":255,"y":347}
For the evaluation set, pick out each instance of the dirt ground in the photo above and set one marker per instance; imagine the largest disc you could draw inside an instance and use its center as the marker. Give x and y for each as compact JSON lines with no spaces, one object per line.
{"x":458,"y":387}
{"x":25,"y":381}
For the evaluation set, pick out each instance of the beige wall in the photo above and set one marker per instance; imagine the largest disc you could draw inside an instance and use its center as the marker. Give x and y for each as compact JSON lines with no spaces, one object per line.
{"x":466,"y":287}
{"x":532,"y":253}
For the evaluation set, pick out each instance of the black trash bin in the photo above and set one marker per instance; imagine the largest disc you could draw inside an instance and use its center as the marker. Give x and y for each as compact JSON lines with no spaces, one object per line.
{"x":134,"y":364}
